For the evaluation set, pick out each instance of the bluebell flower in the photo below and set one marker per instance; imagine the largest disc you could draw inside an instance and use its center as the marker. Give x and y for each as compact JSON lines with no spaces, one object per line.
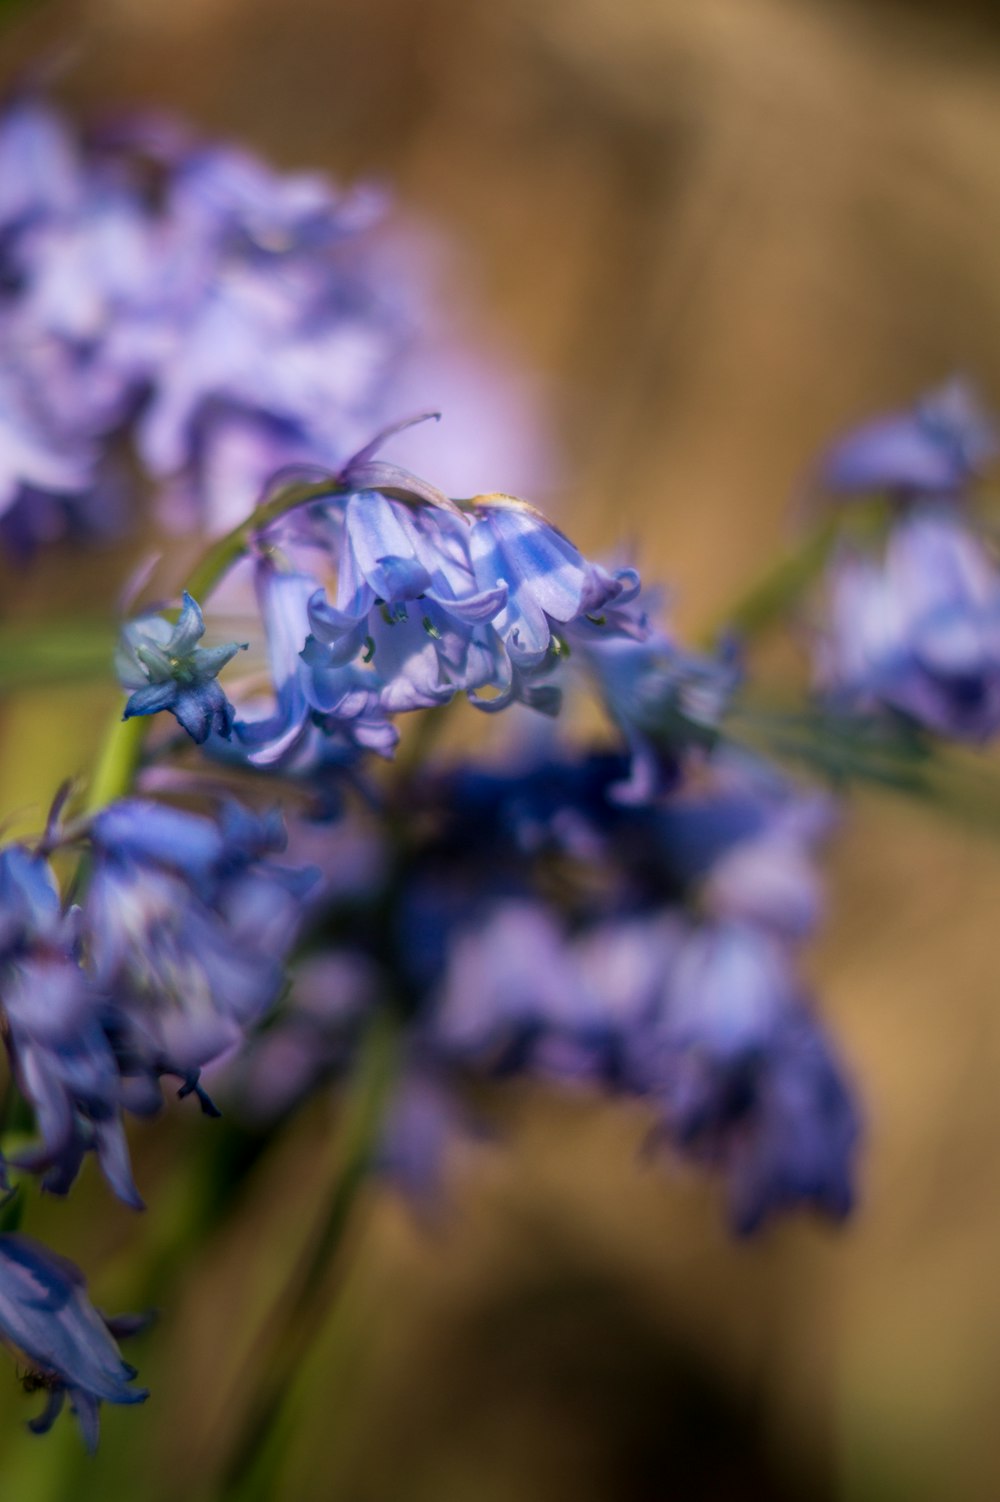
{"x":324,"y":712}
{"x":35,"y":459}
{"x":549,"y":583}
{"x":30,"y":907}
{"x":40,"y":167}
{"x":166,"y":669}
{"x":49,"y":1322}
{"x":187,"y":929}
{"x":67,"y":1071}
{"x":934,"y":449}
{"x":665,"y":701}
{"x":745,"y":1081}
{"x":407,"y":603}
{"x":918,"y":631}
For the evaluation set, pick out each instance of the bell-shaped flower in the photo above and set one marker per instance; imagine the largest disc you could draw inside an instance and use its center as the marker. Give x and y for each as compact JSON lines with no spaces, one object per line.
{"x":745,"y":1081}
{"x":917,"y":632}
{"x":186,"y":933}
{"x":166,"y":669}
{"x":666,"y":701}
{"x":30,"y":908}
{"x":934,"y":449}
{"x":548,"y":582}
{"x":324,"y":710}
{"x":49,"y":1322}
{"x":66,"y":1069}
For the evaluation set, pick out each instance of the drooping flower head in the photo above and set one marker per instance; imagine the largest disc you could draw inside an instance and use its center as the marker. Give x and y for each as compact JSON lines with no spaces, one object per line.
{"x":49,"y":1322}
{"x":917,"y":631}
{"x":166,"y":669}
{"x":934,"y":449}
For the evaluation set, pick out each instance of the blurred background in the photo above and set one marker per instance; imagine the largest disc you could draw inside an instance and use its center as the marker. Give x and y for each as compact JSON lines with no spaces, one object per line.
{"x":709,"y":234}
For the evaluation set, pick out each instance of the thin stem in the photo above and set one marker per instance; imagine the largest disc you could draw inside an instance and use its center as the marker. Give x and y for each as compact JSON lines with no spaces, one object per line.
{"x":293,"y":1323}
{"x":771,"y":595}
{"x":117,"y":762}
{"x":223,"y":554}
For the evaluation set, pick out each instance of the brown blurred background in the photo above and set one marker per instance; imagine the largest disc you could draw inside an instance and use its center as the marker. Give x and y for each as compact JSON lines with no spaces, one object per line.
{"x":718,"y":231}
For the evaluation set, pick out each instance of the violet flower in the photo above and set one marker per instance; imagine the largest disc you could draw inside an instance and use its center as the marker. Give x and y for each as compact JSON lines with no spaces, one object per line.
{"x":48,"y":1320}
{"x":166,"y":669}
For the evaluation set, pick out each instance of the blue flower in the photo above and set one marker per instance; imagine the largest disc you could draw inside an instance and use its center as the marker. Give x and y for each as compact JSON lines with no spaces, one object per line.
{"x":186,"y":931}
{"x":30,"y":908}
{"x":324,"y":711}
{"x":745,"y":1081}
{"x":917,"y":632}
{"x":66,"y":1069}
{"x":548,"y":581}
{"x":933,"y":449}
{"x":47,"y":1318}
{"x":166,"y":669}
{"x":665,"y":701}
{"x":407,"y":603}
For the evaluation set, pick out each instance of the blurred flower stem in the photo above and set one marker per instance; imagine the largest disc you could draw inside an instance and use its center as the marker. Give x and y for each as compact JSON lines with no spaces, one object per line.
{"x":298,"y":1317}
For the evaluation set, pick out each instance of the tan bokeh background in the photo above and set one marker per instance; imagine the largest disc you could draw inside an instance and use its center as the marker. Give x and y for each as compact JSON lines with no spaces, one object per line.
{"x":719,"y":230}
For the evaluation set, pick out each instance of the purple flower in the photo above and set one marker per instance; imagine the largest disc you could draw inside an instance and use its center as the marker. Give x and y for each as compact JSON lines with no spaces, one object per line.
{"x":67,"y":1071}
{"x":917,"y":632}
{"x":40,"y":171}
{"x":933,"y":449}
{"x":407,"y":603}
{"x":47,"y":1318}
{"x":165,"y":668}
{"x":745,"y":1081}
{"x":34,"y":458}
{"x":187,"y":929}
{"x":548,"y":582}
{"x":665,"y":701}
{"x":30,"y":909}
{"x":324,"y":711}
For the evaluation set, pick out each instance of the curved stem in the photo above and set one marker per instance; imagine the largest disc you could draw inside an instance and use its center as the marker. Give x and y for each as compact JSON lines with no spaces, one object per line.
{"x":770,"y":596}
{"x":224,"y":553}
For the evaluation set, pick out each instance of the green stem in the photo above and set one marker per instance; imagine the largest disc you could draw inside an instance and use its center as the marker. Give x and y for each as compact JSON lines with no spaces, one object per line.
{"x":767,"y":600}
{"x":293,"y":1323}
{"x":223,"y":554}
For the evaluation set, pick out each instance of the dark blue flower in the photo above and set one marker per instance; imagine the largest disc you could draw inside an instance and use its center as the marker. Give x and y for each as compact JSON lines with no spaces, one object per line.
{"x":746,"y":1082}
{"x":66,"y":1069}
{"x":187,"y":927}
{"x":166,"y":669}
{"x":48,"y":1320}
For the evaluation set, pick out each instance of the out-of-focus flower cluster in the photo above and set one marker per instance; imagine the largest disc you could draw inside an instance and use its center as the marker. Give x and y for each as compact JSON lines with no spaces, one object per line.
{"x":625,"y":915}
{"x":542,"y":926}
{"x":180,"y":322}
{"x":173,"y":951}
{"x":911,"y":619}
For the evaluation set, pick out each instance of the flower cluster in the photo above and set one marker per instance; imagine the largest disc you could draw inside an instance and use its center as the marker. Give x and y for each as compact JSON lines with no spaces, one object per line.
{"x":181,"y":321}
{"x":625,"y":914}
{"x":173,"y":951}
{"x":911,"y":624}
{"x":547,"y":927}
